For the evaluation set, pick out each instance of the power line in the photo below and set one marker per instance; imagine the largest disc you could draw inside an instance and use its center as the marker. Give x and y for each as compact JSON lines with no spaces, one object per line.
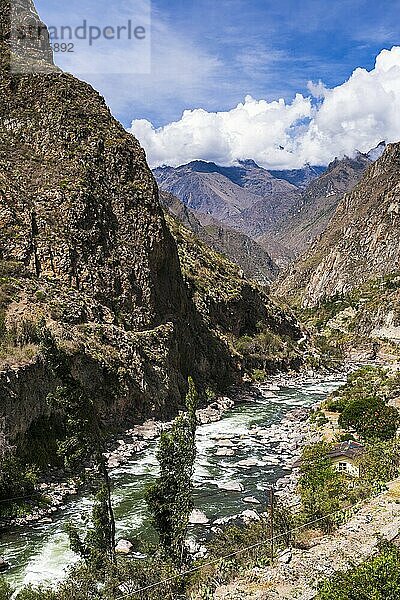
{"x":232,"y":554}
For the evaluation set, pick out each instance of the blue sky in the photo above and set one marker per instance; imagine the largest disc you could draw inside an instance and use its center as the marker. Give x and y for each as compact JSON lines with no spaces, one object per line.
{"x":280,"y":81}
{"x":210,"y":54}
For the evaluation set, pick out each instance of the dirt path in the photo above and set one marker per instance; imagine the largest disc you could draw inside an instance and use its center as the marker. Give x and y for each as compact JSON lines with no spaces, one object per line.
{"x":351,"y":544}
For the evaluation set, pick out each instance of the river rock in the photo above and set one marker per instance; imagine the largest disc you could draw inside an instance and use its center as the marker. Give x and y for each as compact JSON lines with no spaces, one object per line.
{"x":114,"y":462}
{"x":247,"y":463}
{"x":197,"y":517}
{"x":231,"y":486}
{"x":250,"y":515}
{"x":4,"y":565}
{"x":251,"y":500}
{"x":285,"y":556}
{"x":208,"y":415}
{"x":268,"y":394}
{"x":224,"y":443}
{"x":224,"y":452}
{"x":124,"y":547}
{"x":148,"y":431}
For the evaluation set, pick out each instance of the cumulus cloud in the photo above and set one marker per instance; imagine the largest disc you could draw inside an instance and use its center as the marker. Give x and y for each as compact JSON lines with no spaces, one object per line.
{"x":357,"y":114}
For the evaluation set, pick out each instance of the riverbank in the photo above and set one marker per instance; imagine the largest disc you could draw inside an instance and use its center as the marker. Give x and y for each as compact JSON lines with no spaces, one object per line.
{"x":290,"y":436}
{"x":54,"y":491}
{"x":298,"y":572}
{"x":235,"y":466}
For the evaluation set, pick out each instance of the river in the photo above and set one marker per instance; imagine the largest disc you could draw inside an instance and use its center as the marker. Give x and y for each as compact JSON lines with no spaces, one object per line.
{"x":40,"y":554}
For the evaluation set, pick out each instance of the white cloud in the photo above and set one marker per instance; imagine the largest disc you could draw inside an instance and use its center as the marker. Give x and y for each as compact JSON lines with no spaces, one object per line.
{"x":355,"y":115}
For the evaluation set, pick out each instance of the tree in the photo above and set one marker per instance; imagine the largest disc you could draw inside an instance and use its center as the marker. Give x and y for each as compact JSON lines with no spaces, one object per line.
{"x":97,"y":548}
{"x":380,"y":461}
{"x":366,"y":382}
{"x":321,"y":488}
{"x":371,"y":418}
{"x":170,"y":497}
{"x":6,"y":592}
{"x":82,"y":443}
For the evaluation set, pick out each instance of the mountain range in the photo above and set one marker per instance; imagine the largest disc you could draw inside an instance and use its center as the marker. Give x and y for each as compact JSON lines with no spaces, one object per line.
{"x":282,"y":212}
{"x":238,"y":247}
{"x":310,"y":216}
{"x":245,"y":197}
{"x":361,"y":241}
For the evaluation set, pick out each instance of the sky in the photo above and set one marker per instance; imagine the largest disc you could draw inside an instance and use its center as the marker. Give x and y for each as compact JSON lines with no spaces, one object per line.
{"x":282,"y":82}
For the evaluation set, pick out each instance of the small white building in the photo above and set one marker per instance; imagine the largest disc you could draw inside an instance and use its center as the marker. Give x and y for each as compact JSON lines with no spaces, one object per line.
{"x":345,"y":457}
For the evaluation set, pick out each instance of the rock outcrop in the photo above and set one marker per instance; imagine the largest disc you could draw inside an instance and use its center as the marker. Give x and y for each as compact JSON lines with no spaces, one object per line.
{"x":361,"y":242}
{"x":85,"y":251}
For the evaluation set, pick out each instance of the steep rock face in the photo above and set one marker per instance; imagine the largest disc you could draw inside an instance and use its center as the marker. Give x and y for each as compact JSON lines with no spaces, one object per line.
{"x":361,"y":241}
{"x":83,"y":242}
{"x":85,"y":251}
{"x":238,"y":247}
{"x":231,"y":306}
{"x":311,"y":215}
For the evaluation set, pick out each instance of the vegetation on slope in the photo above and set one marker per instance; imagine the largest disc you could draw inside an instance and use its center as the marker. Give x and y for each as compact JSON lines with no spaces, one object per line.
{"x":378,"y":578}
{"x":368,"y":313}
{"x":259,"y":334}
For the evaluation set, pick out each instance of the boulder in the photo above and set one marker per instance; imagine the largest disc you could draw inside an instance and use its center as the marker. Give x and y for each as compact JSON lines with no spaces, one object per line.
{"x":285,"y":556}
{"x":224,"y":443}
{"x":251,"y":500}
{"x":224,"y":452}
{"x":4,"y":565}
{"x":250,"y":515}
{"x":197,"y":517}
{"x":231,"y":486}
{"x":124,"y":547}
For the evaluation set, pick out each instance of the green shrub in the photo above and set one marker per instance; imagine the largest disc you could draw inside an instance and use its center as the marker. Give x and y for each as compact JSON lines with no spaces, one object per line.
{"x":371,"y":418}
{"x":376,"y":579}
{"x":323,"y":490}
{"x":6,"y":592}
{"x":17,"y":480}
{"x":364,"y":382}
{"x":380,"y":462}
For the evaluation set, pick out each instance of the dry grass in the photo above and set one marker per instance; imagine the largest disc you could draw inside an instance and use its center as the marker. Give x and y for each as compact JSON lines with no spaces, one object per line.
{"x":15,"y":356}
{"x":394,"y":491}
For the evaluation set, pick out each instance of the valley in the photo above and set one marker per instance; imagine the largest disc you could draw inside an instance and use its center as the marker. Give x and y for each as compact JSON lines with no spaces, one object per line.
{"x":41,"y":553}
{"x":199,"y":364}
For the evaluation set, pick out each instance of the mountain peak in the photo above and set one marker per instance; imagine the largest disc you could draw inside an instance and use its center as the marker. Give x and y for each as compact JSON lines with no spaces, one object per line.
{"x":248,"y":163}
{"x":202,"y":166}
{"x":377,"y":152}
{"x":30,"y":52}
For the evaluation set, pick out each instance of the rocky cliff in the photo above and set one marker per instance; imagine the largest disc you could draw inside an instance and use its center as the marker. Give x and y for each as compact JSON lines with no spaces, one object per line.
{"x":312,"y":213}
{"x":238,"y":247}
{"x":361,"y":242}
{"x":86,"y":253}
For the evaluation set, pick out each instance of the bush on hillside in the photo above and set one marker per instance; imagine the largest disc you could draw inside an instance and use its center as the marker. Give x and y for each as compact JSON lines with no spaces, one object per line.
{"x":371,"y":418}
{"x":377,"y":578}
